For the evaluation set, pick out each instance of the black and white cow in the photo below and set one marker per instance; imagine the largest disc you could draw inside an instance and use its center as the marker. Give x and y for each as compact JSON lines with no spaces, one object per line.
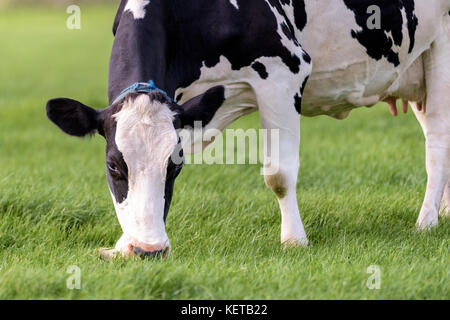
{"x":222,"y":59}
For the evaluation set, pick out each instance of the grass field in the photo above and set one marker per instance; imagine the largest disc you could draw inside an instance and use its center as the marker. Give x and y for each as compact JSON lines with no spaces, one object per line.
{"x":361,"y":186}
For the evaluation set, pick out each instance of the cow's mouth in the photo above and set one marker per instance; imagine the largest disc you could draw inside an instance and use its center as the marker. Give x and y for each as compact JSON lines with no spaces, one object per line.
{"x":133,"y":251}
{"x":140,"y":253}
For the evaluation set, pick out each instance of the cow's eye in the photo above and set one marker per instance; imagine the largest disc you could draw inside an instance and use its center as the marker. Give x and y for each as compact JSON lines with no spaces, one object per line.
{"x":113,"y":169}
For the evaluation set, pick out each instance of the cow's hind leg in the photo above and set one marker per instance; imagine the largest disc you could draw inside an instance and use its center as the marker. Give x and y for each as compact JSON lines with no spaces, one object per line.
{"x":446,"y":202}
{"x":435,"y":121}
{"x":437,"y":166}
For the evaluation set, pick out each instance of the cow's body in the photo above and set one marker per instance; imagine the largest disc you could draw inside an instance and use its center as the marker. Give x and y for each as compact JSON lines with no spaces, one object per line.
{"x":286,"y":57}
{"x":345,"y":74}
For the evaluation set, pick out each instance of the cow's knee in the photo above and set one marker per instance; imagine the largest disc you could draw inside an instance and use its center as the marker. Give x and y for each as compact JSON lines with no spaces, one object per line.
{"x":292,"y":230}
{"x":278,"y":183}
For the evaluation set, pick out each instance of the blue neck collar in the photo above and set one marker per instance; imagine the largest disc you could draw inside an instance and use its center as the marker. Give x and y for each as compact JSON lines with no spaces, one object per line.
{"x":142,"y":87}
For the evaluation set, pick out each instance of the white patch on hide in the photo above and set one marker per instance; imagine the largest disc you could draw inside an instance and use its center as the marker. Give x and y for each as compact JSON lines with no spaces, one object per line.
{"x":137,"y":8}
{"x":234,"y":3}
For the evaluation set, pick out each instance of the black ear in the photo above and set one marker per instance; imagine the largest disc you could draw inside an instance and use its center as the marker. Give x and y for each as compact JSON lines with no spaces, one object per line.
{"x":203,"y":107}
{"x":73,"y":117}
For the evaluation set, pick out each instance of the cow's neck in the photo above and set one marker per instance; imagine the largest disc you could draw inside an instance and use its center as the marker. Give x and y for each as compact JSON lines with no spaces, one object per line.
{"x":139,"y":51}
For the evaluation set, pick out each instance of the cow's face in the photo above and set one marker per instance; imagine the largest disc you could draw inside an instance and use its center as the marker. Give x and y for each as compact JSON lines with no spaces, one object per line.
{"x":143,"y":158}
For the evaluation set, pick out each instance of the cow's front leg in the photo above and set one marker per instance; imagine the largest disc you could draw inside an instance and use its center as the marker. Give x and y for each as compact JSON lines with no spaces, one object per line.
{"x":281,"y":165}
{"x":283,"y":184}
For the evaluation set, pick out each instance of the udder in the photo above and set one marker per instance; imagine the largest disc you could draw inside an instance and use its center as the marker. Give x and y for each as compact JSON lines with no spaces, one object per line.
{"x":337,"y":93}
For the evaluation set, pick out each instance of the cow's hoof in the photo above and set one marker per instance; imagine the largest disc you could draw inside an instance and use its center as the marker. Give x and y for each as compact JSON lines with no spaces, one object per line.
{"x":297,"y":243}
{"x":427,"y":222}
{"x":108,"y":254}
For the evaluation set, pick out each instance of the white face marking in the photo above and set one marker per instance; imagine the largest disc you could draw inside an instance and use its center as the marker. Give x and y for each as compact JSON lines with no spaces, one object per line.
{"x":234,"y":3}
{"x":146,"y":138}
{"x":137,"y":7}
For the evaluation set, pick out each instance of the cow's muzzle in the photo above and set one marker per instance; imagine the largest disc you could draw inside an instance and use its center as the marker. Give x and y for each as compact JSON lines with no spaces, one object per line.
{"x":150,"y":254}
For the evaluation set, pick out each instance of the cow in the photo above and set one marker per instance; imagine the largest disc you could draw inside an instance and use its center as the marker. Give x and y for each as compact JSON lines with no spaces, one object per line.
{"x":177,"y":62}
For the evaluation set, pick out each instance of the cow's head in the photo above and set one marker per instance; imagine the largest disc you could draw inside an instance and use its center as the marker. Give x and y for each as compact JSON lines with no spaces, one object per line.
{"x":143,"y":157}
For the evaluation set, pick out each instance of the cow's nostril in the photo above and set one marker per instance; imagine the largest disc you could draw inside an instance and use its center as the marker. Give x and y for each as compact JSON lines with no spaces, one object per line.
{"x":138,"y":252}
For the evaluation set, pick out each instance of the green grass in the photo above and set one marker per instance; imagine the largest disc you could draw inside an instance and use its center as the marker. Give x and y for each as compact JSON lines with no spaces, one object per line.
{"x":361,"y":186}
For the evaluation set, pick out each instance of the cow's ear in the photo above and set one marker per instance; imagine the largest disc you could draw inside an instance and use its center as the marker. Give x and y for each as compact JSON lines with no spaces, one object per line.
{"x":203,"y":107}
{"x":73,"y":117}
